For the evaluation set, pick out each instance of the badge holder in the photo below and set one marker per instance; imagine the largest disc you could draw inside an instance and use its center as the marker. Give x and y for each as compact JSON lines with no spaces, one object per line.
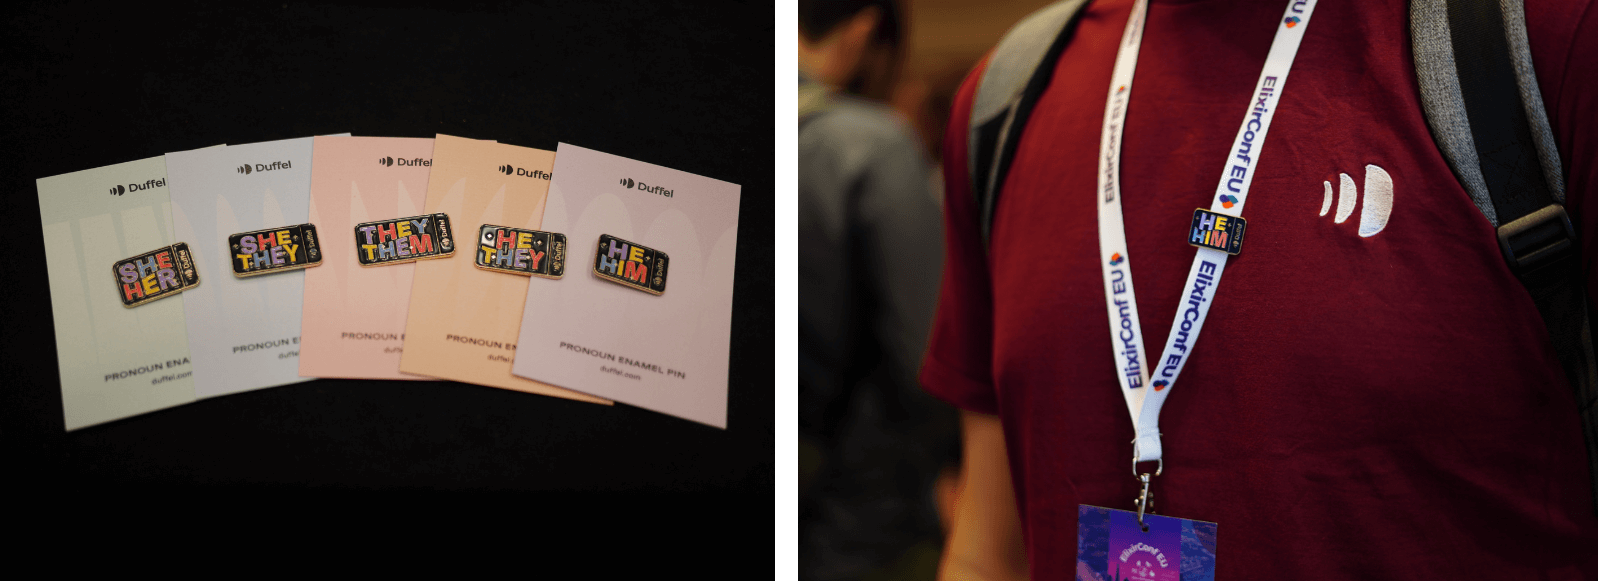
{"x":1112,"y":544}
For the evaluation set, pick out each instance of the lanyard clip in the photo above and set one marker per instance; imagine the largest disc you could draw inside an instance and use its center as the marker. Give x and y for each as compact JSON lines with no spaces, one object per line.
{"x":1145,"y":501}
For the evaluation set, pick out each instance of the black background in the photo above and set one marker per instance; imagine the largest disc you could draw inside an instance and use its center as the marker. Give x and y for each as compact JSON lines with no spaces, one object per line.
{"x":683,"y":85}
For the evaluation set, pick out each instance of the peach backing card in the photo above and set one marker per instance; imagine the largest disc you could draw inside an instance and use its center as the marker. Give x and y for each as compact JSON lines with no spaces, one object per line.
{"x":463,"y":321}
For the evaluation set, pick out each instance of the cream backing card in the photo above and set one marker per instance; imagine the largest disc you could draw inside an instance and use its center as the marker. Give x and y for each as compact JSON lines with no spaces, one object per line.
{"x":115,"y":361}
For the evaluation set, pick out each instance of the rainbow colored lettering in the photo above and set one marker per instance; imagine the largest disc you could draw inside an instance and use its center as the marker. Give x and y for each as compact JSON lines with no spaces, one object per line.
{"x":156,"y":274}
{"x":403,"y":240}
{"x":630,"y":264}
{"x":1218,"y":231}
{"x":525,"y":252}
{"x":274,"y":250}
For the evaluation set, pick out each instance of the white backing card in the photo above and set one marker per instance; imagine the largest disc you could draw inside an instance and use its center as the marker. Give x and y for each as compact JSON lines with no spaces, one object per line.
{"x":243,"y":332}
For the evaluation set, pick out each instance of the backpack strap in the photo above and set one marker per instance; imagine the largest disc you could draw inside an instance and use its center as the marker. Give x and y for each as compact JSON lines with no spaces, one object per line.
{"x":1018,"y":71}
{"x":1485,"y":111}
{"x":1503,"y":39}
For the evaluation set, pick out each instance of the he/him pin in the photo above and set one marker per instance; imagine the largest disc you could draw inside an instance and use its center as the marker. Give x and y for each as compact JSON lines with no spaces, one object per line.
{"x":274,"y":250}
{"x":1218,"y":231}
{"x":401,"y":240}
{"x":156,"y":274}
{"x":630,"y":264}
{"x":524,"y":252}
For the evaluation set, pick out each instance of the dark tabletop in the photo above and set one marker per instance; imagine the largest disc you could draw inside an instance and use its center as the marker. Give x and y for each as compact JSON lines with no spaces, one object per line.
{"x":687,"y":86}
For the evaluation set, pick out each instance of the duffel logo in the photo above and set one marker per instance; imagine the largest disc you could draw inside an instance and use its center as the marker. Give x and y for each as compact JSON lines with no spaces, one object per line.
{"x":119,"y":190}
{"x":1378,"y":200}
{"x":413,"y":162}
{"x":260,"y":167}
{"x":513,"y":170}
{"x":643,"y":187}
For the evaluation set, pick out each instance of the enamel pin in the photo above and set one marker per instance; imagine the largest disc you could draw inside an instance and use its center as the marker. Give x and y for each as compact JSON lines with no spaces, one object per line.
{"x":1218,"y":231}
{"x":630,"y":264}
{"x":155,"y":275}
{"x":403,"y":240}
{"x":274,"y":250}
{"x":524,"y":252}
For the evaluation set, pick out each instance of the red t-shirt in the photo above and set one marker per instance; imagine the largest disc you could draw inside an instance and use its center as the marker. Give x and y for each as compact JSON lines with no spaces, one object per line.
{"x":1356,"y":407}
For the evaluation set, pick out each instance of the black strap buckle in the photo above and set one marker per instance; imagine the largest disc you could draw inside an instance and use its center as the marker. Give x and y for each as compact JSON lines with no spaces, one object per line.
{"x":1537,"y":239}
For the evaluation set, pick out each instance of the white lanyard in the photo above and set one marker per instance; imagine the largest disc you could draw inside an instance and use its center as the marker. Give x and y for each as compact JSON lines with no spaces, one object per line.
{"x":1134,"y":371}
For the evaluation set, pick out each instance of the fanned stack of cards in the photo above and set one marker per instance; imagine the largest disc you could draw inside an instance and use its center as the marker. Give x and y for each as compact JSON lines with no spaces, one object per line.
{"x":572,"y":273}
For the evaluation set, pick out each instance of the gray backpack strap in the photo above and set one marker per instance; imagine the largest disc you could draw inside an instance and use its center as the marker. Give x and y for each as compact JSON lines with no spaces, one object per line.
{"x":1481,"y":99}
{"x":1017,"y":74}
{"x":1445,"y":106}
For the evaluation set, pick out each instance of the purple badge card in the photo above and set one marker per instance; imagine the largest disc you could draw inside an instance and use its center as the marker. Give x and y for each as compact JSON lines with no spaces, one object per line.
{"x":1111,"y":546}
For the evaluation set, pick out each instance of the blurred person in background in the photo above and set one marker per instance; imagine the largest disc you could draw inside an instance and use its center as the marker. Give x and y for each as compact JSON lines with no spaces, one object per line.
{"x":872,"y":444}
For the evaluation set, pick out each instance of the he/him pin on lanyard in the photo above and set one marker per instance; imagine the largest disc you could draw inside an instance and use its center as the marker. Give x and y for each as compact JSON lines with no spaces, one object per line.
{"x":1139,"y":544}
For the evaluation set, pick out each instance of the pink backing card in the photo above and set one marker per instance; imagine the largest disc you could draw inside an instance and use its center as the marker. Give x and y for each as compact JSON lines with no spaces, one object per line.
{"x":354,"y":317}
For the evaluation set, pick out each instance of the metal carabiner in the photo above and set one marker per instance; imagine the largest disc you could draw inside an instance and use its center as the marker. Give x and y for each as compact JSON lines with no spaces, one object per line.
{"x":1145,"y":501}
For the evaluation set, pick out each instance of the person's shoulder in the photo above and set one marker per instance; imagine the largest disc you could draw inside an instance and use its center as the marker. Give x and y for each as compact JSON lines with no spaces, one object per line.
{"x":852,"y":136}
{"x":859,"y":122}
